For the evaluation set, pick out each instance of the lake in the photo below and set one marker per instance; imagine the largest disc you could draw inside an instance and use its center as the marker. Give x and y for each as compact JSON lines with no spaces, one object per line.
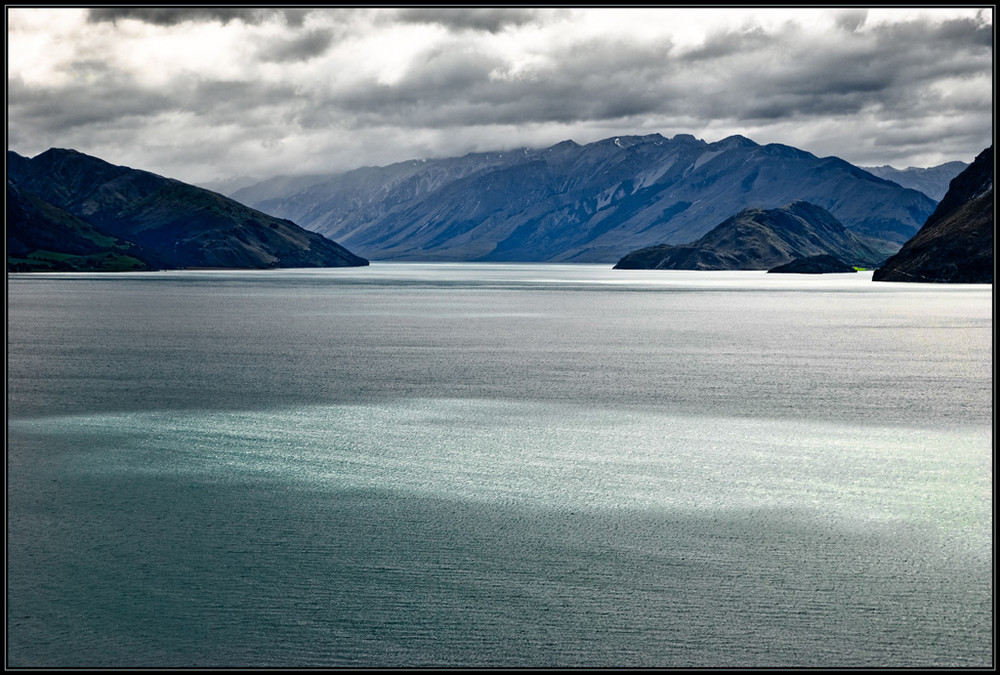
{"x":496,"y":465}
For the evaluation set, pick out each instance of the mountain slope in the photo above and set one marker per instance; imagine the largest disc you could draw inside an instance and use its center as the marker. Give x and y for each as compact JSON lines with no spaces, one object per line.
{"x":41,"y":236}
{"x":955,"y":245}
{"x":176,"y":224}
{"x":759,"y":239}
{"x":582,"y":203}
{"x":932,"y":181}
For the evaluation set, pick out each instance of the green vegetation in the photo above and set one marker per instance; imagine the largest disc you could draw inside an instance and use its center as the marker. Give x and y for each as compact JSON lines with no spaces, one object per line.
{"x":54,"y":261}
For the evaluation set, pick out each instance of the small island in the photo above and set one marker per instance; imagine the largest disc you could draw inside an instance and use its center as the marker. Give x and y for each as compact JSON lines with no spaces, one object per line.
{"x":814,"y":264}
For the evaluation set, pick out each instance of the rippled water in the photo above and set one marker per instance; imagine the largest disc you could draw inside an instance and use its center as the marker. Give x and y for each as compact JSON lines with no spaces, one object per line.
{"x":498,"y":465}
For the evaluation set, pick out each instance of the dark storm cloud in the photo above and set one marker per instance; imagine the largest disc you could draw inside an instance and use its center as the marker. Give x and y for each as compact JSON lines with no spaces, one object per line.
{"x":611,"y":59}
{"x":442,"y":92}
{"x":481,"y":19}
{"x":233,"y":100}
{"x":851,"y":21}
{"x":105,"y":99}
{"x":823,"y":86}
{"x":440,"y":77}
{"x":752,"y":75}
{"x":176,"y":15}
{"x":298,"y":48}
{"x":461,"y":86}
{"x":964,"y":33}
{"x":749,"y":75}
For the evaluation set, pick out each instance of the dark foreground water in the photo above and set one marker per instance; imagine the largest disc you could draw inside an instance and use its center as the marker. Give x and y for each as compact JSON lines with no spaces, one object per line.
{"x":498,"y":465}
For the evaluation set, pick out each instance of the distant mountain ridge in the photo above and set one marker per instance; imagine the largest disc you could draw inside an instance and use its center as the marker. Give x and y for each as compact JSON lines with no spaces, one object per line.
{"x":68,"y":210}
{"x":932,"y":181}
{"x":760,"y":239}
{"x":581,"y":203}
{"x":955,"y":245}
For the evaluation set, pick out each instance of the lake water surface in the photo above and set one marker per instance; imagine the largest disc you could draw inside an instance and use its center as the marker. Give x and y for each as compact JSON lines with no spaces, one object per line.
{"x":498,"y":465}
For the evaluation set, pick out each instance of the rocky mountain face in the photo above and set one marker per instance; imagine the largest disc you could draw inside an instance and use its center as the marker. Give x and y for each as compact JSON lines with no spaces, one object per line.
{"x":70,"y":210}
{"x":760,"y":239}
{"x":932,"y":181}
{"x":955,"y":245}
{"x":581,"y":203}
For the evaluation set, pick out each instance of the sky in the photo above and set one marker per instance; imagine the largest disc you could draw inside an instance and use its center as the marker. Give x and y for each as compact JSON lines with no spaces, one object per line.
{"x":207,"y":94}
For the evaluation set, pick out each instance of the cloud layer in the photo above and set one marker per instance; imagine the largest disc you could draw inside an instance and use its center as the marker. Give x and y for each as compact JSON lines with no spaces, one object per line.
{"x":209,"y":93}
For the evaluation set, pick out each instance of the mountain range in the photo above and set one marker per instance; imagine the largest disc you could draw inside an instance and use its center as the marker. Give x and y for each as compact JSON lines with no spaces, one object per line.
{"x":582,"y":203}
{"x":760,"y":239}
{"x":955,"y":245}
{"x":932,"y":181}
{"x":70,"y":211}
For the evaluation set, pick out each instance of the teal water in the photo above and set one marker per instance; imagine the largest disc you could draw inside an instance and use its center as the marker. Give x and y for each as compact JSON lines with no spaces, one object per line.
{"x":498,"y":465}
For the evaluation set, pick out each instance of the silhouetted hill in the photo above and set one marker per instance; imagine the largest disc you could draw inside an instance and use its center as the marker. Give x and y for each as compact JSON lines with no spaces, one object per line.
{"x":955,"y":245}
{"x":582,"y":203}
{"x":164,"y":222}
{"x":760,"y":239}
{"x":815,"y":264}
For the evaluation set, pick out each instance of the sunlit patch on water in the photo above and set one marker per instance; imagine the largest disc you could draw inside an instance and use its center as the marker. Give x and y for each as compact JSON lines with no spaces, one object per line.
{"x":485,"y":532}
{"x":551,"y":455}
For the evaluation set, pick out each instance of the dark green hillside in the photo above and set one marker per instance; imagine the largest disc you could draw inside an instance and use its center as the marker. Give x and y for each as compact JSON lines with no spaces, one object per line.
{"x":43,"y":237}
{"x":204,"y":229}
{"x":73,"y":211}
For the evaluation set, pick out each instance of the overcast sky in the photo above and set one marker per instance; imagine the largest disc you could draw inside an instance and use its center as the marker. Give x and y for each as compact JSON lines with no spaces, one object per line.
{"x":202,"y":94}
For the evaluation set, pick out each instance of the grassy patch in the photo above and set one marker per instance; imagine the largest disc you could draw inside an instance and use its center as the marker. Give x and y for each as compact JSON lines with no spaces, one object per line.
{"x":54,"y":261}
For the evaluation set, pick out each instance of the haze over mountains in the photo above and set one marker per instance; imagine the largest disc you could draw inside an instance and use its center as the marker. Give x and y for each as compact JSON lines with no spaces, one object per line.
{"x":582,"y":203}
{"x":68,"y":210}
{"x":932,"y":181}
